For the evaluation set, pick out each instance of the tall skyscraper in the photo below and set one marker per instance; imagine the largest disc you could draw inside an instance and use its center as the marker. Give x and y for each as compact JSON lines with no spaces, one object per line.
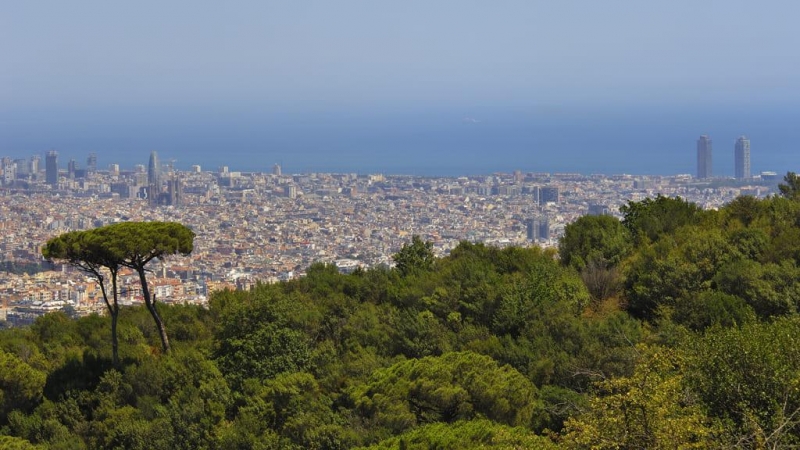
{"x":704,"y":157}
{"x":742,"y":157}
{"x":538,"y":228}
{"x":153,"y":170}
{"x":549,"y":194}
{"x":72,"y":167}
{"x":23,"y":167}
{"x":35,"y":165}
{"x":51,"y":168}
{"x":91,"y":162}
{"x":174,"y":193}
{"x":9,"y":168}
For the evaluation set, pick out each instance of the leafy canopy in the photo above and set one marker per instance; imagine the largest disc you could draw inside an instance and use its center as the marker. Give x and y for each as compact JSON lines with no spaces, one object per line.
{"x":414,"y":257}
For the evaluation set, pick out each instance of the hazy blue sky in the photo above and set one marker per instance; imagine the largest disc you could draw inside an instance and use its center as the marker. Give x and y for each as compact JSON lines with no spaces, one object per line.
{"x":225,"y":60}
{"x":345,"y":54}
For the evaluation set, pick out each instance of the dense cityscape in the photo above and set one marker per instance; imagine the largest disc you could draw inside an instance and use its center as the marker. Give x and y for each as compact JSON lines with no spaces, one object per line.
{"x":265,"y":227}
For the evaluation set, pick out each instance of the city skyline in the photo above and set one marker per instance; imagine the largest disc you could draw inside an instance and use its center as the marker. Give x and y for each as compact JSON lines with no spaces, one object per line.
{"x":704,"y":165}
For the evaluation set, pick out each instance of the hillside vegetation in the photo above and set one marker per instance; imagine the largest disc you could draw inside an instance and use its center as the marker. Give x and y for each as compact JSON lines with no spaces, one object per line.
{"x":673,"y":328}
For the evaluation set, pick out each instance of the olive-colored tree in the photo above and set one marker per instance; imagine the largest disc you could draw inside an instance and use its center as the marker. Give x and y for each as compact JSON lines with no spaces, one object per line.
{"x":651,"y":409}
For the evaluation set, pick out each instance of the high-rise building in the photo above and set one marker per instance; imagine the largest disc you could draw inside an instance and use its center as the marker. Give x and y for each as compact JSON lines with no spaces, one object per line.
{"x":9,"y":168}
{"x":153,"y":179}
{"x":538,"y":228}
{"x":51,"y":168}
{"x":598,"y":209}
{"x":276,"y":169}
{"x":23,"y":167}
{"x":72,"y":167}
{"x":91,"y":162}
{"x":174,"y":193}
{"x":534,"y":191}
{"x":742,"y":157}
{"x":704,"y":157}
{"x":549,"y":194}
{"x":35,"y":165}
{"x":153,"y":170}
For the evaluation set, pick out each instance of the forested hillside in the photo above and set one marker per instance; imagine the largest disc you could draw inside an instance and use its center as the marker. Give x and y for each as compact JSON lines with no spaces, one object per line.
{"x":673,"y":328}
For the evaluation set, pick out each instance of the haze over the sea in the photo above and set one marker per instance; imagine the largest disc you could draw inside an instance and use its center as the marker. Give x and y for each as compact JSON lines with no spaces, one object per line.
{"x":433,"y":88}
{"x":425,"y":143}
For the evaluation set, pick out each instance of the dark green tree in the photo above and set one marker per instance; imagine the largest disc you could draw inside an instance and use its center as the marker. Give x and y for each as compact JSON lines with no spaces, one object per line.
{"x":21,"y":386}
{"x":296,"y":407}
{"x":256,"y":336}
{"x":650,"y":218}
{"x":452,"y":387}
{"x":414,"y":257}
{"x":771,"y":289}
{"x":594,"y":238}
{"x":139,"y":243}
{"x":746,"y":209}
{"x":466,"y":435}
{"x":91,"y":253}
{"x":680,"y":264}
{"x":595,"y":246}
{"x":710,"y":308}
{"x":790,"y":188}
{"x":750,"y":378}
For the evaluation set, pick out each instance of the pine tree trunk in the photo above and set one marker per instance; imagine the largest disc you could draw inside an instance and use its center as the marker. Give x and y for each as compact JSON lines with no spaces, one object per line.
{"x":113,"y":311}
{"x":151,"y":306}
{"x":114,"y":316}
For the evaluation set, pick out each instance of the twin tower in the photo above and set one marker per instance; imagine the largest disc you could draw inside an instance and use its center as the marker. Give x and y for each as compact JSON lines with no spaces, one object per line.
{"x":741,"y":157}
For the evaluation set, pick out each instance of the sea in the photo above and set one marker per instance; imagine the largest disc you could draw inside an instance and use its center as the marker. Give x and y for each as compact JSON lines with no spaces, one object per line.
{"x":433,"y":142}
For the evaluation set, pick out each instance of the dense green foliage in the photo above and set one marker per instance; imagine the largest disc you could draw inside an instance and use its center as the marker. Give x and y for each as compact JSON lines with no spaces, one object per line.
{"x":673,"y":328}
{"x":471,"y":435}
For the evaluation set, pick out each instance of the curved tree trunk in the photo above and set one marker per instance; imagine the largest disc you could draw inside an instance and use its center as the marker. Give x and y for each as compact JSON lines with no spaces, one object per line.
{"x":113,"y":311}
{"x":151,"y":306}
{"x":114,"y":316}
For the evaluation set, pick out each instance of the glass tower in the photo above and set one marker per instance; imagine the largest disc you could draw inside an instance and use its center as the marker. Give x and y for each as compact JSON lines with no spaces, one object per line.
{"x":153,"y":170}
